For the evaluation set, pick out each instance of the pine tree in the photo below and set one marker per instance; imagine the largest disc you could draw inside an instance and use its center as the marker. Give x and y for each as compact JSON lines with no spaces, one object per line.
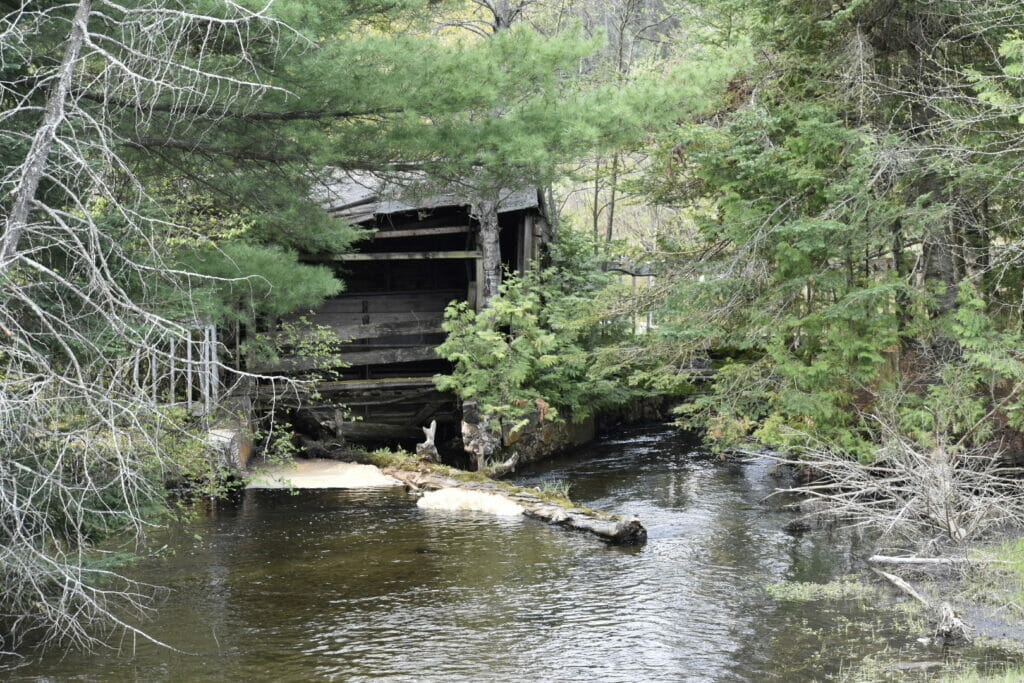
{"x":851,"y":193}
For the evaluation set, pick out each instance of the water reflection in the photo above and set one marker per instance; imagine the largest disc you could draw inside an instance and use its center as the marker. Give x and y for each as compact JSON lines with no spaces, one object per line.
{"x":353,"y":585}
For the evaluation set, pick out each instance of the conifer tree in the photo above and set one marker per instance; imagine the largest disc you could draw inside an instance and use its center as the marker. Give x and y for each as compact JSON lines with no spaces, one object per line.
{"x":851,"y":195}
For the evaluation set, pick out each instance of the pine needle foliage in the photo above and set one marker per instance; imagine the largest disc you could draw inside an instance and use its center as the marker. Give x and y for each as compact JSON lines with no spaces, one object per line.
{"x":538,"y":346}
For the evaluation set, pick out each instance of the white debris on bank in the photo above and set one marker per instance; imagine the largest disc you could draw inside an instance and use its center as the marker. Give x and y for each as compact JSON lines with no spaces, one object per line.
{"x":462,"y":499}
{"x":320,"y":474}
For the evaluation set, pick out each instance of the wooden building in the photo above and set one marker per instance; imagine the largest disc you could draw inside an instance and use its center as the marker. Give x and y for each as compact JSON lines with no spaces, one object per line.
{"x":421,"y":252}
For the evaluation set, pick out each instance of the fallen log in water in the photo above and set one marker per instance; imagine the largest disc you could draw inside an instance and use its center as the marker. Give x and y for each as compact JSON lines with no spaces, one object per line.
{"x":614,"y":529}
{"x":888,"y":559}
{"x":949,"y":626}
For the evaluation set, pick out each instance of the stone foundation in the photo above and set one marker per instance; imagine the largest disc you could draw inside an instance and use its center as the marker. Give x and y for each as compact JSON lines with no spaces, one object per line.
{"x":540,"y":438}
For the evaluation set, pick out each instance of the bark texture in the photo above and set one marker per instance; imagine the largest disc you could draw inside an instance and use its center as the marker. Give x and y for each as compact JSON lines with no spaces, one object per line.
{"x":486,"y":214}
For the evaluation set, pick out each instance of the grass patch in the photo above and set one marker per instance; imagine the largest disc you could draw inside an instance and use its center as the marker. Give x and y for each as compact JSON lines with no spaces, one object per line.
{"x":1010,"y":555}
{"x":1009,"y":675}
{"x":558,"y":487}
{"x":998,"y":580}
{"x":464,"y":475}
{"x":908,"y":666}
{"x":383,"y":457}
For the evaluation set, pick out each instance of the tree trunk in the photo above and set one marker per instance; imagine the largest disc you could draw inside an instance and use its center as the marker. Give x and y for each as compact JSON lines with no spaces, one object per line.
{"x":940,"y":265}
{"x":613,"y":187}
{"x":35,"y":161}
{"x":486,"y":213}
{"x":596,"y":211}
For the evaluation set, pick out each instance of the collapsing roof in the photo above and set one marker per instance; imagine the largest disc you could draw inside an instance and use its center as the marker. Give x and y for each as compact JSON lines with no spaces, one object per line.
{"x":362,"y":197}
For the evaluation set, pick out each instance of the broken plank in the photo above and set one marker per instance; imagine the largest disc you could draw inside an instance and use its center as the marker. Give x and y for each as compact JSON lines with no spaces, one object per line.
{"x":425,"y":412}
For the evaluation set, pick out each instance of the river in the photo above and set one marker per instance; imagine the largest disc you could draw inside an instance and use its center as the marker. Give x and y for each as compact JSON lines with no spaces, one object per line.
{"x":353,"y":585}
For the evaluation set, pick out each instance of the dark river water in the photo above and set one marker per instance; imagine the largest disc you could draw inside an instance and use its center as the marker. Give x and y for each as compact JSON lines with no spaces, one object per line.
{"x":353,"y":585}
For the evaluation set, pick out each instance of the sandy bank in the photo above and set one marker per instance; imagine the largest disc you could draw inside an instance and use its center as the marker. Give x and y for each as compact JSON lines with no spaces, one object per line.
{"x":320,"y":474}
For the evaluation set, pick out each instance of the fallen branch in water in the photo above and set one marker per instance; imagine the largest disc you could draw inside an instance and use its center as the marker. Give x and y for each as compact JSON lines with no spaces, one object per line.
{"x":949,"y":625}
{"x":888,"y":559}
{"x":903,"y":586}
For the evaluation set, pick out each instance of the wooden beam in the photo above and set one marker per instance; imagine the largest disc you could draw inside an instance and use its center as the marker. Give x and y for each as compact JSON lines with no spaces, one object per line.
{"x":396,"y":386}
{"x":388,"y":356}
{"x":427,"y":324}
{"x":478,"y":300}
{"x":387,"y":294}
{"x":385,"y":356}
{"x":378,"y":430}
{"x":395,"y":256}
{"x":376,"y":330}
{"x":420,"y":232}
{"x":430,"y":303}
{"x":388,"y":398}
{"x":359,"y":385}
{"x":528,"y":243}
{"x":339,"y":320}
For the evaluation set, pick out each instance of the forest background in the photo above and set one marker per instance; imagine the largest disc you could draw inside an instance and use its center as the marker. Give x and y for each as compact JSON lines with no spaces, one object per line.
{"x":826,"y":194}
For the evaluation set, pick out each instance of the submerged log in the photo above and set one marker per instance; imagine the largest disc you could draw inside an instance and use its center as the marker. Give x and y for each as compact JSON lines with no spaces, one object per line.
{"x":614,"y":529}
{"x":949,"y":626}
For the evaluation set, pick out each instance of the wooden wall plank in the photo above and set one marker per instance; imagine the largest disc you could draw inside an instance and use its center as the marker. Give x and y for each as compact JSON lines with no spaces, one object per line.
{"x":421,"y":232}
{"x":377,"y":430}
{"x":394,"y":256}
{"x":383,"y":357}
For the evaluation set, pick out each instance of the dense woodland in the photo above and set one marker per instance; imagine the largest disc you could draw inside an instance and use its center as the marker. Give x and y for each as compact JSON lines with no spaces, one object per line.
{"x":827,"y":195}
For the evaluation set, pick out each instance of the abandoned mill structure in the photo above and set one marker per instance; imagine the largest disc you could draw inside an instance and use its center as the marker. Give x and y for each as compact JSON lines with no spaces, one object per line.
{"x":422,"y":250}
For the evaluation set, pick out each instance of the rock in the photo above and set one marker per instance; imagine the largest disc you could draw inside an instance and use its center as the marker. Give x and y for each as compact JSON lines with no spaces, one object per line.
{"x":478,"y":439}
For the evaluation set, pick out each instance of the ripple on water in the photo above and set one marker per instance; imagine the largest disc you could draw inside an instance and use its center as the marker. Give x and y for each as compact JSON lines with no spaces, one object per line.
{"x":350,"y":585}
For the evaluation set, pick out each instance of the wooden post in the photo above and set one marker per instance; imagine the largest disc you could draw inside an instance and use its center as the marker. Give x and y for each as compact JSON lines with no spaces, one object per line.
{"x":527,"y":243}
{"x":478,"y":303}
{"x":521,"y":247}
